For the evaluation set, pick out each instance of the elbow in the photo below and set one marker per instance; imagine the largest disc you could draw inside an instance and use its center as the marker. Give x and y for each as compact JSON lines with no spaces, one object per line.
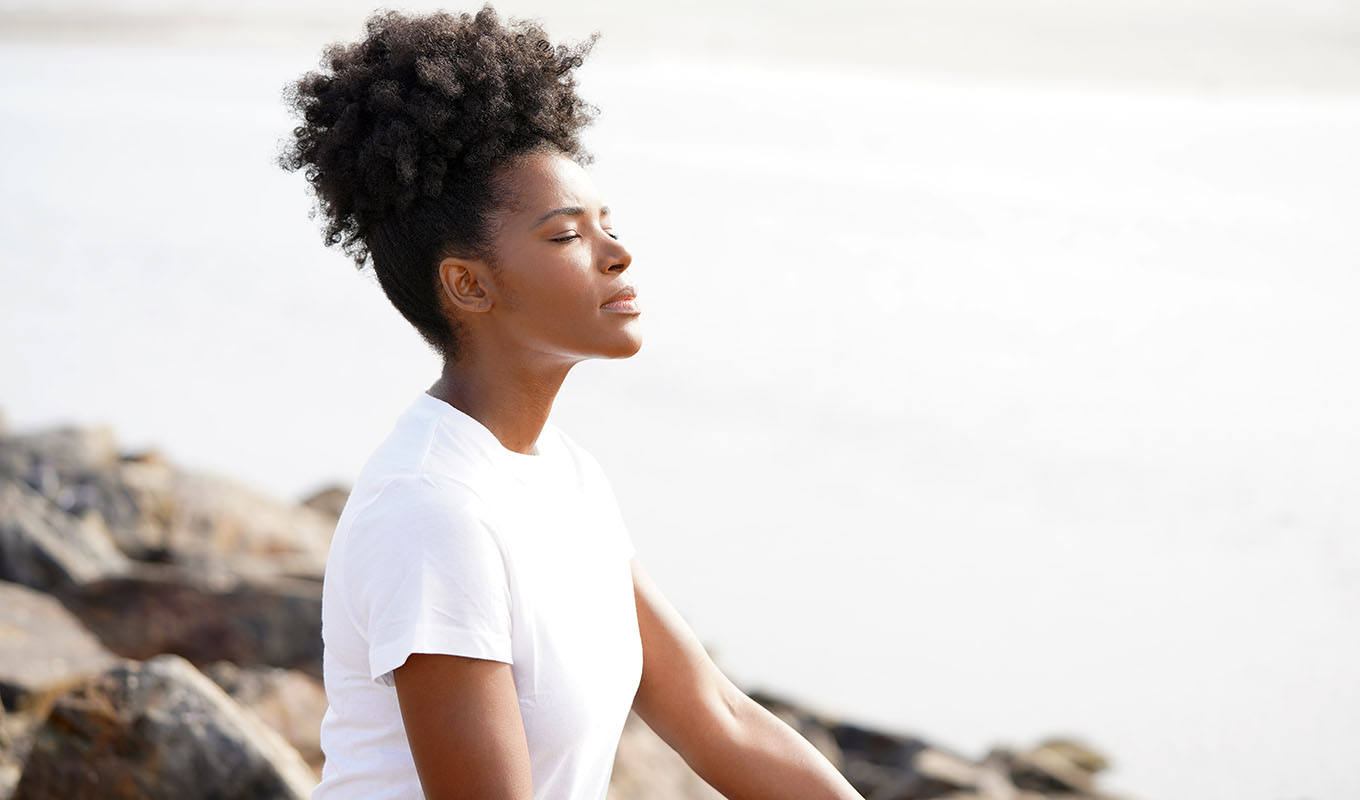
{"x":727,"y":729}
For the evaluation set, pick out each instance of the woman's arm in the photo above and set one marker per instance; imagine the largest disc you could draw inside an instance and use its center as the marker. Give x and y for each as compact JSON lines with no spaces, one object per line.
{"x":462,"y":721}
{"x":732,"y":742}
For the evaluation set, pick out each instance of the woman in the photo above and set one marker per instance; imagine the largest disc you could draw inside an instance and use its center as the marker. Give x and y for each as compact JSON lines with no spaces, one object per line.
{"x":486,"y":626}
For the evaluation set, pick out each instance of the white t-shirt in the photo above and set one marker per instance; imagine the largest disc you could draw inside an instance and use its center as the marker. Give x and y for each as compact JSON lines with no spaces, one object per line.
{"x":451,"y":543}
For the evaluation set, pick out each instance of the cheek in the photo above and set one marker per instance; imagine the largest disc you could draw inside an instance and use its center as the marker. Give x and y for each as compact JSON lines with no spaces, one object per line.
{"x":561,"y":285}
{"x":550,"y":294}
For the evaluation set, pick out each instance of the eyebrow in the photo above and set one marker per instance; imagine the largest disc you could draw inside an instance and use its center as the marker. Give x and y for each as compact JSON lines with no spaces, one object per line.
{"x":571,"y":211}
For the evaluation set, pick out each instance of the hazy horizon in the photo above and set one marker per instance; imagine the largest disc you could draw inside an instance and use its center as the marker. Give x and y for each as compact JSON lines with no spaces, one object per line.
{"x":1207,"y":45}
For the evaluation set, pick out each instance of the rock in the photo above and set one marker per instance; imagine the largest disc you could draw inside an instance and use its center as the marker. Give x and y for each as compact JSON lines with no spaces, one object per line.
{"x":158,"y":513}
{"x":16,"y":740}
{"x":67,"y":449}
{"x":162,"y":514}
{"x":73,"y":468}
{"x":1057,"y":765}
{"x":157,"y":730}
{"x":42,"y":645}
{"x":45,"y":548}
{"x":289,"y":701}
{"x":878,"y":764}
{"x":944,"y":767}
{"x":1078,"y":753}
{"x":163,"y":609}
{"x":994,"y":777}
{"x":150,"y":456}
{"x":78,"y":471}
{"x":215,"y":522}
{"x":646,"y":768}
{"x":329,"y":501}
{"x":138,"y":509}
{"x":881,"y":764}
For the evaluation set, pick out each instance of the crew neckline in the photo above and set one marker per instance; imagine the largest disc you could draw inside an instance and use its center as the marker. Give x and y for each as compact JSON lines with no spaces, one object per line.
{"x":489,"y":440}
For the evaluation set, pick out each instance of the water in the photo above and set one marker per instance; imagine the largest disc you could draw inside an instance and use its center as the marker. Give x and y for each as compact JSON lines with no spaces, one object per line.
{"x":981,"y":410}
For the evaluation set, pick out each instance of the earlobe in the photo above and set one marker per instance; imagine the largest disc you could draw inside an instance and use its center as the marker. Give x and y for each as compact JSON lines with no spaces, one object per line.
{"x":462,"y":285}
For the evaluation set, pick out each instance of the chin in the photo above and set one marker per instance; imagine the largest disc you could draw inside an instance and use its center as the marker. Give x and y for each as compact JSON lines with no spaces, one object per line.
{"x":624,"y":349}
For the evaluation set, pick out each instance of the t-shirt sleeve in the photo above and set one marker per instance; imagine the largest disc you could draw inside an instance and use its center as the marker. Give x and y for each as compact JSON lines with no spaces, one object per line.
{"x":426,"y":574}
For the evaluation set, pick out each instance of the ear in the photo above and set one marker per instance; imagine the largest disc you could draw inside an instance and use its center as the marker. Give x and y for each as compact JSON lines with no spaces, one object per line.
{"x":464,"y":283}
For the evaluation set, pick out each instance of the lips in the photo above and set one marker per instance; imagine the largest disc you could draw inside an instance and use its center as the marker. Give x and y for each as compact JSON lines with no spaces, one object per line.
{"x":624,"y":300}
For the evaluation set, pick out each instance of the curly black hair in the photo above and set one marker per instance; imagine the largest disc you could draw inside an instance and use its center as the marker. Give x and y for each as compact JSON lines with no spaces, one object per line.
{"x":403,"y":132}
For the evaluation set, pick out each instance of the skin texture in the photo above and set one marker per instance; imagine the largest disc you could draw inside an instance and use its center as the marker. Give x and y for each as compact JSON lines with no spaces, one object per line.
{"x":462,"y":720}
{"x":526,"y":319}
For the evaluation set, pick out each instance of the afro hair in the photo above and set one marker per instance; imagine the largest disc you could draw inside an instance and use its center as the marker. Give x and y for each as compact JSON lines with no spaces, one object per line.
{"x":402,"y":134}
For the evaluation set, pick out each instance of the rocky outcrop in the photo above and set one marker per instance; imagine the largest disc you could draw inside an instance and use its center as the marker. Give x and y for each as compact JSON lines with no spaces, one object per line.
{"x":157,"y":729}
{"x":888,"y":766}
{"x":882,"y":766}
{"x":153,"y":512}
{"x":142,"y":559}
{"x":155,"y":559}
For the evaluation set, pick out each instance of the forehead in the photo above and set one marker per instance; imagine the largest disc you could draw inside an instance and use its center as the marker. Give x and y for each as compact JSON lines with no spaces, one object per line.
{"x":540,"y":181}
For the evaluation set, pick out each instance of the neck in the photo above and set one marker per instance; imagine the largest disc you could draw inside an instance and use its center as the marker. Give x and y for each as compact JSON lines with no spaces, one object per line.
{"x":512,"y":400}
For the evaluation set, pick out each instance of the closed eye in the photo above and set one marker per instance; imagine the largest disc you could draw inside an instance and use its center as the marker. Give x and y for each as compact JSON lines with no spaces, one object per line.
{"x":574,"y":236}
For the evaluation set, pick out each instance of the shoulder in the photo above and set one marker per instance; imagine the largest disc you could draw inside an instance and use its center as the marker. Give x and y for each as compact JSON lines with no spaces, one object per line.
{"x":419,"y":513}
{"x":418,"y":537}
{"x":429,"y":443}
{"x":420,"y":495}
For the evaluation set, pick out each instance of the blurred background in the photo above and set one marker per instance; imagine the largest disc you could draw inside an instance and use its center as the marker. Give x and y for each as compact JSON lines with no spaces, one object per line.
{"x":1001,"y":367}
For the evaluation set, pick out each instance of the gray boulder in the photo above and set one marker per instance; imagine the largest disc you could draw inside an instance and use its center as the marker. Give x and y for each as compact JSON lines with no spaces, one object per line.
{"x":163,"y":609}
{"x":330,"y":501}
{"x":42,"y":645}
{"x":40,"y":457}
{"x":47,"y":548}
{"x":1058,"y":765}
{"x":158,"y":730}
{"x":158,"y":513}
{"x":214,"y":521}
{"x":289,"y":701}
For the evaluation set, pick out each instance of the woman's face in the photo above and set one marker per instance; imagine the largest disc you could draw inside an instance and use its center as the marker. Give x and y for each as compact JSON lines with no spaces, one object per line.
{"x":555,"y":289}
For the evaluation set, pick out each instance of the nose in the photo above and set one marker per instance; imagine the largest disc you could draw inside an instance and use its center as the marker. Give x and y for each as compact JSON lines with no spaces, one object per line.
{"x":617,"y":257}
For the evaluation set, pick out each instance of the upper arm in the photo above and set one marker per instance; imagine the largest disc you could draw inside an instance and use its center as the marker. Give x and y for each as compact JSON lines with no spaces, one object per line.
{"x":428,"y":588}
{"x":682,"y":696}
{"x":463,"y":724}
{"x":423,"y":572}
